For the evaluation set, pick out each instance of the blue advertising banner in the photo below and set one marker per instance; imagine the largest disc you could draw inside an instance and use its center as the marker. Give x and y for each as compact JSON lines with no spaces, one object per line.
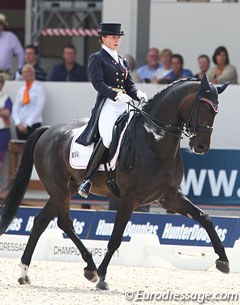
{"x":212,"y":178}
{"x":170,"y":229}
{"x":23,"y":222}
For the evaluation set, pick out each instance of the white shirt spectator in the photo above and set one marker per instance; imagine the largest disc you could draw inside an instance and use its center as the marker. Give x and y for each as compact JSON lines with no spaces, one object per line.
{"x":32,"y":112}
{"x":161,"y":72}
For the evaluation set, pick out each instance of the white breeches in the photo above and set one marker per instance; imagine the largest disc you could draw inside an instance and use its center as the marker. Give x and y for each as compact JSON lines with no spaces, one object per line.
{"x":110,"y":112}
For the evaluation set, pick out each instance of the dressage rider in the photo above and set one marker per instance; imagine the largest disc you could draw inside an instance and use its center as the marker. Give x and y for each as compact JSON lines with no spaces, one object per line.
{"x":110,"y":76}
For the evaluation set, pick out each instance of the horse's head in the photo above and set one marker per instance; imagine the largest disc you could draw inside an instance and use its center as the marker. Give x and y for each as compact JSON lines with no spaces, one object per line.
{"x":200,"y":116}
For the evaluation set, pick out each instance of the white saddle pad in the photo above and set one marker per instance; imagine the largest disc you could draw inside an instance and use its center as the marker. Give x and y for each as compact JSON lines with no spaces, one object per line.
{"x":80,"y":154}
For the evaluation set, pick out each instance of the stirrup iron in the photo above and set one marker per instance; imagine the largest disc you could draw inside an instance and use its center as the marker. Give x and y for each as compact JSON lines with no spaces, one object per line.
{"x":84,"y":188}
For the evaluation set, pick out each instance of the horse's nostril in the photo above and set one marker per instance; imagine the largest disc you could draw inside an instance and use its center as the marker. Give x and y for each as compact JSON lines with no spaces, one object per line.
{"x":203,"y":148}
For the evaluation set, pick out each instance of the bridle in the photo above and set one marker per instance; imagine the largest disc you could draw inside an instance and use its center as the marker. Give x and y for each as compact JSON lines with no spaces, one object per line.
{"x":187,"y":128}
{"x":191,"y":130}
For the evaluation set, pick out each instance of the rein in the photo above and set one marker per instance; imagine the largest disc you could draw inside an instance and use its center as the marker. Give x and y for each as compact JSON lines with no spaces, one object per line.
{"x":185,"y":128}
{"x":170,"y":128}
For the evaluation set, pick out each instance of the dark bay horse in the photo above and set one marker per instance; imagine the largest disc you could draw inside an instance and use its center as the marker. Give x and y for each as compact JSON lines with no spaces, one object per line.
{"x":188,"y":106}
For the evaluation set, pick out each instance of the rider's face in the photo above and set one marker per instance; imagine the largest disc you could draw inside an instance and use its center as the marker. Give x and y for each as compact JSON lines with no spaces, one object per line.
{"x":111,"y":41}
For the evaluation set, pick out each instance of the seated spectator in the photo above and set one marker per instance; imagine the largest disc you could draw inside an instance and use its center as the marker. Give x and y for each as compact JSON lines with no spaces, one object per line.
{"x":31,"y":57}
{"x":69,"y":70}
{"x":223,"y":71}
{"x":29,"y":103}
{"x":204,"y":65}
{"x":5,"y":112}
{"x":146,"y":72}
{"x":177,"y":70}
{"x":132,"y":67}
{"x":165,"y":60}
{"x":9,"y":47}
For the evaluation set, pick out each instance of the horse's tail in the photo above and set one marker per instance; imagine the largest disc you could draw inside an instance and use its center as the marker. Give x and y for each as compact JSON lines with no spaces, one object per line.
{"x":17,"y":188}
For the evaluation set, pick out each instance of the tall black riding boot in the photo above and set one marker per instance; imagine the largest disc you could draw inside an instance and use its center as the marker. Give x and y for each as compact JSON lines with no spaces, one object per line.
{"x":92,"y":167}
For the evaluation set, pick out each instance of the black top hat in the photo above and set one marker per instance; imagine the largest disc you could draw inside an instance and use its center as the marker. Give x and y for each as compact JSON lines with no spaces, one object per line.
{"x":111,"y":29}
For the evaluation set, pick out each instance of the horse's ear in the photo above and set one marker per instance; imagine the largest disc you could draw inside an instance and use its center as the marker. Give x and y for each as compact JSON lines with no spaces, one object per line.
{"x":204,"y":83}
{"x":221,"y":88}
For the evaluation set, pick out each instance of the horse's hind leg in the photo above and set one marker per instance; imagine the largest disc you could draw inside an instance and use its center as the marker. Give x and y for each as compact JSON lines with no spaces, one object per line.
{"x":187,"y":208}
{"x":65,"y":223}
{"x":41,"y":221}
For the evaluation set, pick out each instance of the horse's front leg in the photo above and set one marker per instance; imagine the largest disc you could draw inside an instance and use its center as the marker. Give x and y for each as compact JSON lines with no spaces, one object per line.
{"x":185,"y":207}
{"x":122,"y":217}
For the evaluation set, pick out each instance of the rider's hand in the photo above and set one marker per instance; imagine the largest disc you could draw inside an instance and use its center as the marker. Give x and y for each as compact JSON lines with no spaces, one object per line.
{"x":142,"y":96}
{"x":122,"y":97}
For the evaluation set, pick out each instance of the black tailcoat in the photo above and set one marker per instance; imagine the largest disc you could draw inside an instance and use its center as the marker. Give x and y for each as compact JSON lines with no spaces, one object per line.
{"x":105,"y":74}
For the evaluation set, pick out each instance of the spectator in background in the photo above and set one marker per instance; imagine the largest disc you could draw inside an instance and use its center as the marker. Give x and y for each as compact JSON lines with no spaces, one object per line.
{"x":9,"y":47}
{"x":146,"y":72}
{"x":69,"y":70}
{"x":132,"y":68}
{"x":29,"y":103}
{"x":31,"y":57}
{"x":223,"y":71}
{"x":165,"y":60}
{"x":177,"y":70}
{"x":5,"y":112}
{"x":204,"y":65}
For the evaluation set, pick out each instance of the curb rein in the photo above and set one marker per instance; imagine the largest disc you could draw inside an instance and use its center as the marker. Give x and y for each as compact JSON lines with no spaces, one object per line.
{"x":175,"y":130}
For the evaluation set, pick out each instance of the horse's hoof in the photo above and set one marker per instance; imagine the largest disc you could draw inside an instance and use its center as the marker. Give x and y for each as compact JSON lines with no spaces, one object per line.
{"x":24,"y":280}
{"x":91,"y":275}
{"x":102,"y":285}
{"x":222,"y":266}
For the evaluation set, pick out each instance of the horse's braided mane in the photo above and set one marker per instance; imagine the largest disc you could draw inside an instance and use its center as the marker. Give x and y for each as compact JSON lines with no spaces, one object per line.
{"x":160,"y":95}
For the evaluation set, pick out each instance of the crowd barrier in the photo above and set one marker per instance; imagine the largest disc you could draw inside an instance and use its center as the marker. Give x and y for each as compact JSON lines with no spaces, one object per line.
{"x":149,"y":239}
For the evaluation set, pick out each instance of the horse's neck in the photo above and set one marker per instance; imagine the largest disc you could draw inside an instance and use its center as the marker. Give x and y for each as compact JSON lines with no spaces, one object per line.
{"x":166,"y":111}
{"x":169,"y":107}
{"x":160,"y":142}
